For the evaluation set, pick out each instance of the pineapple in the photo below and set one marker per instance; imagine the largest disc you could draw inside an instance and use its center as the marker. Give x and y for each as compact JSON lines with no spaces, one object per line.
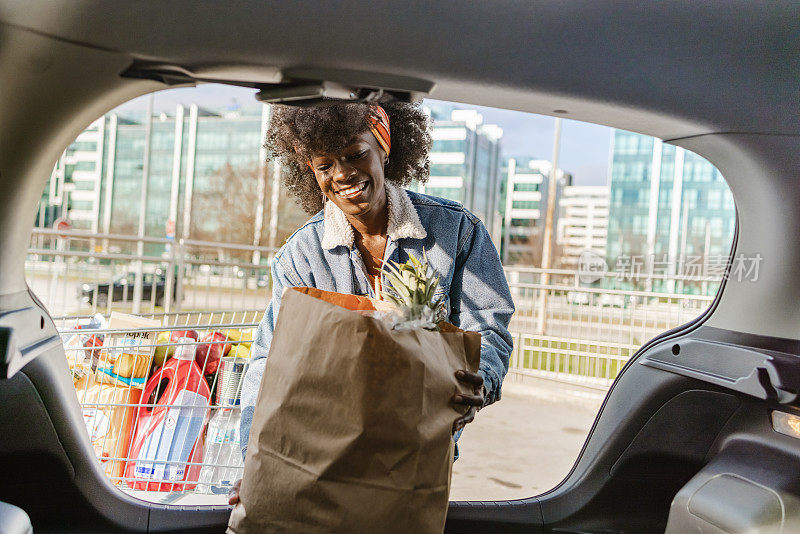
{"x":411,"y":287}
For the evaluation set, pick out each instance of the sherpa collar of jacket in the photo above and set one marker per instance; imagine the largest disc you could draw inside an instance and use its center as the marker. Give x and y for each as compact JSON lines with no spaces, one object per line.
{"x":403,"y":220}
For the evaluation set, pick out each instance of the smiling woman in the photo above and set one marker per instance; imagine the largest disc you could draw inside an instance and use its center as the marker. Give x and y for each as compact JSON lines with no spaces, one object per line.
{"x":350,"y":163}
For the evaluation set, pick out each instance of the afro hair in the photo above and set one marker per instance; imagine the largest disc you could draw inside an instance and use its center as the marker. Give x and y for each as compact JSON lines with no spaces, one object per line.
{"x":297,"y":132}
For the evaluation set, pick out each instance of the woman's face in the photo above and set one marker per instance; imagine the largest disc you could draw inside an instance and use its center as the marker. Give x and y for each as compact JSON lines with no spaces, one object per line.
{"x":353,"y":178}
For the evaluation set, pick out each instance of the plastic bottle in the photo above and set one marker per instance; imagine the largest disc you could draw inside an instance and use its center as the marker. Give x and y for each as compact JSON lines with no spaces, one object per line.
{"x":223,"y":454}
{"x":169,"y":435}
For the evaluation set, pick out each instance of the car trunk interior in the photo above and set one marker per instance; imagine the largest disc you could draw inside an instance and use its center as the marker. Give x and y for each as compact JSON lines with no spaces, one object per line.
{"x":684,"y":440}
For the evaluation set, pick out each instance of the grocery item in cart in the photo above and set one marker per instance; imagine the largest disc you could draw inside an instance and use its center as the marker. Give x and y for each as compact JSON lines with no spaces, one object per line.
{"x":109,"y":414}
{"x":223,"y":454}
{"x":212,"y":347}
{"x":236,"y":335}
{"x":166,"y":342}
{"x":130,"y":353}
{"x":239,"y":351}
{"x":80,"y":347}
{"x":168,"y":447}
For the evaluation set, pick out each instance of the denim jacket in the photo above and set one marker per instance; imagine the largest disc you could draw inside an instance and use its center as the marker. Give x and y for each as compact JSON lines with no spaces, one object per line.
{"x":322,"y":254}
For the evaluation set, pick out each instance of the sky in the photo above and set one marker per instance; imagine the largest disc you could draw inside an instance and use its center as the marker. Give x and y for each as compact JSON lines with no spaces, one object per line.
{"x":584,"y":151}
{"x":585,"y":147}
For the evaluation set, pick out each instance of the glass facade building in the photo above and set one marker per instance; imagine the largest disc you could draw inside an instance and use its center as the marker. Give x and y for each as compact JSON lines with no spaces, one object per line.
{"x":465,"y":163}
{"x":97,"y":183}
{"x":74,"y":186}
{"x":666,"y":204}
{"x":185,"y":150}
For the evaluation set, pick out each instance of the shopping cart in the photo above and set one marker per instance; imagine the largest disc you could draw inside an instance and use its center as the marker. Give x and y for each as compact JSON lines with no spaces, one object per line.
{"x":192,"y":452}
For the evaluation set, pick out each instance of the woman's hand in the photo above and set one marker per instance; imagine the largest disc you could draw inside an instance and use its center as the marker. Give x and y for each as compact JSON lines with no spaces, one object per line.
{"x":474,"y":401}
{"x":233,"y":494}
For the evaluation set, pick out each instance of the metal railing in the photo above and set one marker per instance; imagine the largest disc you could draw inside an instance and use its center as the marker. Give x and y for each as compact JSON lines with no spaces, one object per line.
{"x":80,"y":273}
{"x":564,"y":330}
{"x":580,"y":335}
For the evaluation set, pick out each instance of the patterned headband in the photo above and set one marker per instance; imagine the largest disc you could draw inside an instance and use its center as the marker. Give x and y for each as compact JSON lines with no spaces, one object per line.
{"x":379,"y":126}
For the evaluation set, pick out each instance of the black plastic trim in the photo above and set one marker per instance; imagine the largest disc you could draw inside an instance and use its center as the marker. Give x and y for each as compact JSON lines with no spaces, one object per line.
{"x":737,"y":361}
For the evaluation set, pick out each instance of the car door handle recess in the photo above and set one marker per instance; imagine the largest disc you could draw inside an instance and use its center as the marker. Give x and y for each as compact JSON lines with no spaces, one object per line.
{"x":761,"y":373}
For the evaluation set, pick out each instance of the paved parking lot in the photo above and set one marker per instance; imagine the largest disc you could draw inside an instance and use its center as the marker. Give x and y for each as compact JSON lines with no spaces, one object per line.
{"x":523,"y":445}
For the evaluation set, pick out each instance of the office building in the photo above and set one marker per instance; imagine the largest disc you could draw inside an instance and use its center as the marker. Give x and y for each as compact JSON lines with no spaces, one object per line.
{"x":526,"y":191}
{"x":99,"y":181}
{"x":665,"y":203}
{"x":74,"y":188}
{"x":465,"y":163}
{"x":582,"y":223}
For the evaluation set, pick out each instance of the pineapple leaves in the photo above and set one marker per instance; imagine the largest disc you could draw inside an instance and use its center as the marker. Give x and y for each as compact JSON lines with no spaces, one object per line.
{"x":412,"y":287}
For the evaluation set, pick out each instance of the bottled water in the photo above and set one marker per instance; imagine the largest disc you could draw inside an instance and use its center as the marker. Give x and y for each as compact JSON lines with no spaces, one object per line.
{"x":223,"y":464}
{"x":223,"y":454}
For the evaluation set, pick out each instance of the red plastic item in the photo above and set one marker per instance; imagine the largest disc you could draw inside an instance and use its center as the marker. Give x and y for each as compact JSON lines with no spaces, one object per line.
{"x":169,"y":435}
{"x":210,"y":351}
{"x":91,"y":352}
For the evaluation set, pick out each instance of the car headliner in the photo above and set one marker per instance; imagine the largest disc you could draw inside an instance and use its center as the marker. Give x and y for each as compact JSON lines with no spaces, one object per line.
{"x":717,"y":77}
{"x":710,"y":66}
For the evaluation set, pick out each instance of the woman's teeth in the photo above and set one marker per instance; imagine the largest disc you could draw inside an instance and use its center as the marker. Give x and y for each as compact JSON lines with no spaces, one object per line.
{"x":352,"y":191}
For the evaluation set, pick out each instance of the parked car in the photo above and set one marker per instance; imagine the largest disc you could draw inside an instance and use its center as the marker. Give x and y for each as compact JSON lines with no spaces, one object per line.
{"x":699,"y":432}
{"x":579,"y":297}
{"x":121,"y":289}
{"x":611,"y":300}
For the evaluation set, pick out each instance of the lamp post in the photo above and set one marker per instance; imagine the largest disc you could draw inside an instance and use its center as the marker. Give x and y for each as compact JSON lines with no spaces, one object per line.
{"x":138,"y":279}
{"x":547,"y":238}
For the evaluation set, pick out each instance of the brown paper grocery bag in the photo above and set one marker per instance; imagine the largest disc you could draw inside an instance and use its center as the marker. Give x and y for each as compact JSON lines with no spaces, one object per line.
{"x":352,"y":427}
